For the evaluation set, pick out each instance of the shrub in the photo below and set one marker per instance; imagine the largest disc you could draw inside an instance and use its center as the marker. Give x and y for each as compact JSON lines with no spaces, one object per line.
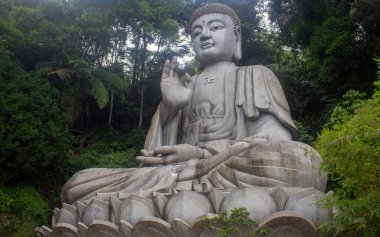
{"x":35,"y":142}
{"x":237,"y":223}
{"x":21,"y":210}
{"x":114,"y":149}
{"x":351,"y":151}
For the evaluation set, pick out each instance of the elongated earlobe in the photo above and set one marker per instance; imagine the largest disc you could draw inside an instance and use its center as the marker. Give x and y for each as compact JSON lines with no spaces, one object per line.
{"x":237,"y":52}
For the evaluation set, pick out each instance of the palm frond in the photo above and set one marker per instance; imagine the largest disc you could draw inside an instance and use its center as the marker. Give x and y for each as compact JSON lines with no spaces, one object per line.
{"x":110,"y":79}
{"x":99,"y":92}
{"x":377,"y":60}
{"x":72,"y":104}
{"x":46,"y":67}
{"x":78,"y":64}
{"x":62,"y":73}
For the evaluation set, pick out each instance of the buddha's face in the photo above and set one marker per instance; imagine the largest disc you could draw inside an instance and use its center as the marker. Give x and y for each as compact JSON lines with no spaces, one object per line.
{"x":213,"y":38}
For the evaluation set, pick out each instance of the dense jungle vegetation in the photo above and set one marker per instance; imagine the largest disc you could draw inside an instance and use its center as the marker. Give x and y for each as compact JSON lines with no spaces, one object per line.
{"x":79,"y":82}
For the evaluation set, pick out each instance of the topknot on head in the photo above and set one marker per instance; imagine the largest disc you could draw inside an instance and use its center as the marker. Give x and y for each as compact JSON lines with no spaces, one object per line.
{"x":216,"y":8}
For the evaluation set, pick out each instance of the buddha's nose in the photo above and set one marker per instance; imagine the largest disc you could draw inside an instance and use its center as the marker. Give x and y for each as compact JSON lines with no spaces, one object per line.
{"x":206,"y":34}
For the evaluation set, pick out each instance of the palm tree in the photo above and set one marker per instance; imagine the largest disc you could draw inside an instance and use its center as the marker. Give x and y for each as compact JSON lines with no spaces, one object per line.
{"x":79,"y":83}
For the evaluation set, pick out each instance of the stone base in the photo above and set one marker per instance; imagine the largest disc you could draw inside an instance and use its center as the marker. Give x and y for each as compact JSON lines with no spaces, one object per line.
{"x":286,"y":211}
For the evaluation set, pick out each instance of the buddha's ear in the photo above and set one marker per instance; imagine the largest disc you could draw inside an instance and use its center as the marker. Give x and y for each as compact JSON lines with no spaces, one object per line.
{"x":237,"y":51}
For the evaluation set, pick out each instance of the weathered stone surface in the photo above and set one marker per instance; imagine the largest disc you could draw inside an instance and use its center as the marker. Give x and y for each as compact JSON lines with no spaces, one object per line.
{"x":259,"y":203}
{"x":187,"y":206}
{"x":126,"y":228}
{"x":160,"y":201}
{"x":65,"y":230}
{"x":95,"y":210}
{"x":216,"y":197}
{"x":289,"y":224}
{"x":80,"y":207}
{"x":305,"y":203}
{"x":100,"y":228}
{"x":43,"y":231}
{"x":151,"y":226}
{"x":280,"y":197}
{"x":82,"y":229}
{"x":283,"y":223}
{"x":136,"y":207}
{"x":198,"y":228}
{"x":68,"y":214}
{"x":181,"y":228}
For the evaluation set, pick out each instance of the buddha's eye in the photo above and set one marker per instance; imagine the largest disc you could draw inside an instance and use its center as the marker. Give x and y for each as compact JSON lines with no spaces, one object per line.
{"x":214,"y":26}
{"x":196,"y":33}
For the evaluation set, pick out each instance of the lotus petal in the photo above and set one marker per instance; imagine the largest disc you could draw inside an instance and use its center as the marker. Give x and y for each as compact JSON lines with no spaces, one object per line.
{"x":65,"y":230}
{"x":259,"y":203}
{"x":287,"y":223}
{"x":152,"y":226}
{"x":187,"y":206}
{"x":95,"y":210}
{"x":100,"y":228}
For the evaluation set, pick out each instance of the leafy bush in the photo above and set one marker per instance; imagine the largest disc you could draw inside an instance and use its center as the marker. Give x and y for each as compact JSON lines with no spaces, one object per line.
{"x":351,"y":151}
{"x":21,"y":210}
{"x":90,"y":158}
{"x":114,"y":149}
{"x":351,"y":101}
{"x":237,"y":223}
{"x":303,"y":134}
{"x":35,"y":142}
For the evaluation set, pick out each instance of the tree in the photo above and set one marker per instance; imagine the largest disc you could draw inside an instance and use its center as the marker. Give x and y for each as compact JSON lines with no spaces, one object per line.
{"x":337,"y":41}
{"x":350,"y":148}
{"x":79,"y":83}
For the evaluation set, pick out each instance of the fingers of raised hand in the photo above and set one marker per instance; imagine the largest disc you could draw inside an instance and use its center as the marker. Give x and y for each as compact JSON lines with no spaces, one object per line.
{"x":188,"y":80}
{"x":165,"y":71}
{"x":172,"y":67}
{"x":180,"y":70}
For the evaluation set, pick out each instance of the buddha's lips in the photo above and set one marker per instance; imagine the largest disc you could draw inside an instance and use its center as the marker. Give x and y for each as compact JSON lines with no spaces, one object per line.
{"x":207,"y":45}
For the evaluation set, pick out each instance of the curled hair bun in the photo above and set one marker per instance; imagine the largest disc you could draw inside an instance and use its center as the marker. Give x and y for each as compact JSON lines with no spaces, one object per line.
{"x":215,"y":8}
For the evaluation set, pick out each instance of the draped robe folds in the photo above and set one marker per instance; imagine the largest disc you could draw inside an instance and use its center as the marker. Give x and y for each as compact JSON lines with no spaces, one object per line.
{"x":251,"y":93}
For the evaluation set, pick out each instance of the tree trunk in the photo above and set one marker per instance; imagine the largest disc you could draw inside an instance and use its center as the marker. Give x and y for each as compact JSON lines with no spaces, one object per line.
{"x":111,"y":109}
{"x":136,"y":60}
{"x":142,"y":75}
{"x":141,"y":105}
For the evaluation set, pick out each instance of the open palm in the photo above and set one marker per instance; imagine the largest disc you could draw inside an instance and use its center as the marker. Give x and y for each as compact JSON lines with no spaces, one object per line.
{"x":176,"y":85}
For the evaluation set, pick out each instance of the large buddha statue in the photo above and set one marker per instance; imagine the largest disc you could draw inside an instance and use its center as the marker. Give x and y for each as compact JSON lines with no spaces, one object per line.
{"x":219,"y":140}
{"x":226,"y":127}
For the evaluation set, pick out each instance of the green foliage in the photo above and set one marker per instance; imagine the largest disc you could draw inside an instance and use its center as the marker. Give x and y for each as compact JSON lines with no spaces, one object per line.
{"x":336,"y":40}
{"x":91,"y":157}
{"x":99,"y":92}
{"x":81,"y":84}
{"x":113,"y":149}
{"x":336,"y":62}
{"x":237,"y":223}
{"x":351,"y":150}
{"x":21,"y":210}
{"x":27,"y":31}
{"x":35,"y":142}
{"x":303,"y":134}
{"x":344,"y":110}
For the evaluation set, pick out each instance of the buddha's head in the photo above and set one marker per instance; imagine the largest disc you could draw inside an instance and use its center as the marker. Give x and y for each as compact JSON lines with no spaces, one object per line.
{"x":215,"y":34}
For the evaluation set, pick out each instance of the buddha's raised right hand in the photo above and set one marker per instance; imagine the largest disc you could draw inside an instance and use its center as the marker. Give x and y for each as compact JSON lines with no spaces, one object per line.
{"x":176,"y":86}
